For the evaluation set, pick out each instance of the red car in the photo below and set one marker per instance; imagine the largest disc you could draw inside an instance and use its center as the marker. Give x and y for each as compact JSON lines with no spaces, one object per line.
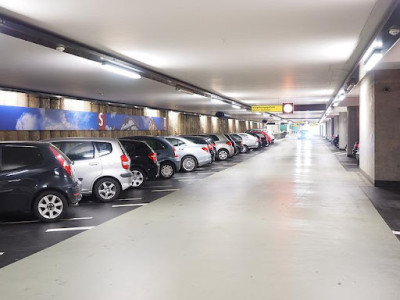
{"x":263,"y":133}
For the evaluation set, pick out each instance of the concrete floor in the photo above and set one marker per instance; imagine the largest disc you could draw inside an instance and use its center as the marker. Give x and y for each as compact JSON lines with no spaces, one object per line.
{"x":290,"y":223}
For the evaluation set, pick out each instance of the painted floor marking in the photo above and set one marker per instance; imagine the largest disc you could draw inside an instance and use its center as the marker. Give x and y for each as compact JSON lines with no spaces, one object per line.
{"x":20,"y":222}
{"x":1,"y":253}
{"x":185,"y":180}
{"x":166,"y":190}
{"x":129,"y":205}
{"x":69,"y":229}
{"x":129,"y":199}
{"x":158,"y":186}
{"x":396,"y":232}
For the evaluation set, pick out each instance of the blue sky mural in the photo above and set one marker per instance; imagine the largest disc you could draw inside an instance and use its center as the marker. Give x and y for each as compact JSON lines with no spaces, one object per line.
{"x":26,"y":118}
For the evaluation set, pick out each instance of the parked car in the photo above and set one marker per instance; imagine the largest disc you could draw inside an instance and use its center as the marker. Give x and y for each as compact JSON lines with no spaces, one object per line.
{"x":239,"y":142}
{"x":166,"y":154}
{"x":144,"y":163}
{"x":203,"y":140}
{"x":192,"y":155}
{"x":223,"y":145}
{"x":36,"y":177}
{"x":234,"y":144}
{"x":261,"y":138}
{"x":264,"y":133}
{"x":249,"y":142}
{"x":101,"y":164}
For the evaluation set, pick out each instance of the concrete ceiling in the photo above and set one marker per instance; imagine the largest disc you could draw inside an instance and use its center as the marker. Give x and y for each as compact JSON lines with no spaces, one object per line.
{"x":256,"y":51}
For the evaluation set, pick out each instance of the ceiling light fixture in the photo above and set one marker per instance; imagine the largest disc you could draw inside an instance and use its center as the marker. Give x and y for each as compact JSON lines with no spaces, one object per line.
{"x":217,"y":101}
{"x":120,"y":70}
{"x":373,"y":59}
{"x":341,"y":96}
{"x":184,"y":90}
{"x":236,"y":106}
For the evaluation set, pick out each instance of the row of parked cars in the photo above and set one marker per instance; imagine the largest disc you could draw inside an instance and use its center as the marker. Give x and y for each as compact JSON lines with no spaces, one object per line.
{"x":48,"y":176}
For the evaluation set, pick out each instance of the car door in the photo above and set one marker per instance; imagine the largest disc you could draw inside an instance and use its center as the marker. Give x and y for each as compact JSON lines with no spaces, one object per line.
{"x":19,"y":170}
{"x":87,"y":165}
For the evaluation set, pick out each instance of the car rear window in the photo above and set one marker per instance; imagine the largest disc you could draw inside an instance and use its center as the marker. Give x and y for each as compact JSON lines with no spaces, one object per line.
{"x":76,"y":150}
{"x":103,"y":148}
{"x":155,"y":144}
{"x":16,"y":157}
{"x":196,"y":140}
{"x":214,"y":137}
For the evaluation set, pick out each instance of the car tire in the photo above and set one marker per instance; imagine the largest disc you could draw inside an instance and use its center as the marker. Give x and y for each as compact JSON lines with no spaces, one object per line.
{"x":223,"y":154}
{"x":188,"y":163}
{"x":106,"y":189}
{"x":245,"y":149}
{"x":138,"y":177}
{"x":167,"y":170}
{"x":49,"y":206}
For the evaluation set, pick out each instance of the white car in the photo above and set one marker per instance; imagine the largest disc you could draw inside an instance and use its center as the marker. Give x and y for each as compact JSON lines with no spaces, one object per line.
{"x":102,"y":165}
{"x":192,"y":155}
{"x":249,"y":142}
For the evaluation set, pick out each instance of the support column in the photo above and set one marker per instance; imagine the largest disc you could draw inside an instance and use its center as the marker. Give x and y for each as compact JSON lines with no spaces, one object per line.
{"x":380,"y":127}
{"x":342,"y":130}
{"x":353,"y":128}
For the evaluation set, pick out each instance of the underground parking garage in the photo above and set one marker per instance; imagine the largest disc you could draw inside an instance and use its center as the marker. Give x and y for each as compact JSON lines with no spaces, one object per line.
{"x":221,"y":150}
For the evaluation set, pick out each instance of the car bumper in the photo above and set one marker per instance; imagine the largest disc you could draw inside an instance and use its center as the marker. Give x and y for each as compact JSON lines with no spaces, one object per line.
{"x":125,"y":179}
{"x":74,"y":193}
{"x":204,"y":160}
{"x":153,"y":172}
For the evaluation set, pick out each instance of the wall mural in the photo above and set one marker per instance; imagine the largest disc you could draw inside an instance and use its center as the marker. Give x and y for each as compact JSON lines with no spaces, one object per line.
{"x":27,"y":118}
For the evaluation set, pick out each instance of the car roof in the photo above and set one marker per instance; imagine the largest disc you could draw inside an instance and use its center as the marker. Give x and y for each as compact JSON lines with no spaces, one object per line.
{"x":24,"y":143}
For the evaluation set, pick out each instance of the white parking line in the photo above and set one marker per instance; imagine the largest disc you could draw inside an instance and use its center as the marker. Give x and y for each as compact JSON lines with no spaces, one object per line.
{"x":204,"y":172}
{"x":158,"y":186}
{"x":187,"y":180}
{"x":1,"y":253}
{"x":129,"y":199}
{"x":396,"y":232}
{"x":77,"y":219}
{"x":129,"y":205}
{"x":20,"y":222}
{"x":166,"y":190}
{"x":179,"y":178}
{"x":69,"y":229}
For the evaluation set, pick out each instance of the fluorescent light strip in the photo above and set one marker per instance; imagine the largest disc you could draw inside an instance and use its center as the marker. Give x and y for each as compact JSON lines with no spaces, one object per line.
{"x":373,"y":59}
{"x":236,"y":106}
{"x":120,"y":70}
{"x":216,"y":101}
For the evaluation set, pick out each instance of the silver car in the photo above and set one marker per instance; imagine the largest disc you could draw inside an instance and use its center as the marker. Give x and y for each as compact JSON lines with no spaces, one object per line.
{"x":192,"y":155}
{"x":224,"y":146}
{"x":102,"y":165}
{"x":249,"y":142}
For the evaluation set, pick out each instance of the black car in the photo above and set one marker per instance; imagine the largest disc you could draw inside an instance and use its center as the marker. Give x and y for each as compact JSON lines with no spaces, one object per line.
{"x":166,"y":154}
{"x":144,"y":164}
{"x":36,"y":177}
{"x":237,"y":141}
{"x":203,"y":140}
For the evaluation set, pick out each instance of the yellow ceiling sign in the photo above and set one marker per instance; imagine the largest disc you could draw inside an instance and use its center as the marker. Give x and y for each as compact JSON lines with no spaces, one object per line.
{"x":266,"y":108}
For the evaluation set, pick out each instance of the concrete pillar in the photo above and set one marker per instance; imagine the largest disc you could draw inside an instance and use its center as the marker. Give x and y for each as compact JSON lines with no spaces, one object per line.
{"x":380,"y":127}
{"x":342,"y":130}
{"x":353,"y":128}
{"x":336,"y":125}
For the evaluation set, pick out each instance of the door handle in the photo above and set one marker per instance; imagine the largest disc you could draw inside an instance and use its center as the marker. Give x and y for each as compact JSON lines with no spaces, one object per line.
{"x":93,"y":164}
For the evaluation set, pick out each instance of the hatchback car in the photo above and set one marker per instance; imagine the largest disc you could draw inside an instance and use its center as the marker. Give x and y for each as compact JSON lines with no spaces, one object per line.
{"x":102,"y":165}
{"x":238,"y":142}
{"x":203,"y":140}
{"x":249,"y":142}
{"x":144,"y":163}
{"x":166,"y":154}
{"x":223,"y":145}
{"x":36,"y":177}
{"x":192,"y":155}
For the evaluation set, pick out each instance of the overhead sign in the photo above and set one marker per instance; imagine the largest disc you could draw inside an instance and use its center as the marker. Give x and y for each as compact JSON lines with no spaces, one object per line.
{"x":266,"y":108}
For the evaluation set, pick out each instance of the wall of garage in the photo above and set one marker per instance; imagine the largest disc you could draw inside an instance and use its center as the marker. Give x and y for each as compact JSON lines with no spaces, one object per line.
{"x":177,"y":122}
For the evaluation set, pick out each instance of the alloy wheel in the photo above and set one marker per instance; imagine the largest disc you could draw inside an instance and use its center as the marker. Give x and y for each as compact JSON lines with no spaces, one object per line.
{"x":50,"y":207}
{"x":107,"y":190}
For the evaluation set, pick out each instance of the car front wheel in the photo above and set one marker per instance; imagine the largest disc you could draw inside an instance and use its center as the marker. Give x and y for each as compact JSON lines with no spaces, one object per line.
{"x":138,"y":177}
{"x":49,"y":206}
{"x":223,"y":154}
{"x":106,"y":189}
{"x":167,"y":170}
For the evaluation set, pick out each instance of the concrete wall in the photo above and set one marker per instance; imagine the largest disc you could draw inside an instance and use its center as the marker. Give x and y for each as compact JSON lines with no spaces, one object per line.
{"x":353,"y":127}
{"x":367,"y":126}
{"x":380,"y":127}
{"x":342,"y":130}
{"x":177,"y":123}
{"x":387,"y":125}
